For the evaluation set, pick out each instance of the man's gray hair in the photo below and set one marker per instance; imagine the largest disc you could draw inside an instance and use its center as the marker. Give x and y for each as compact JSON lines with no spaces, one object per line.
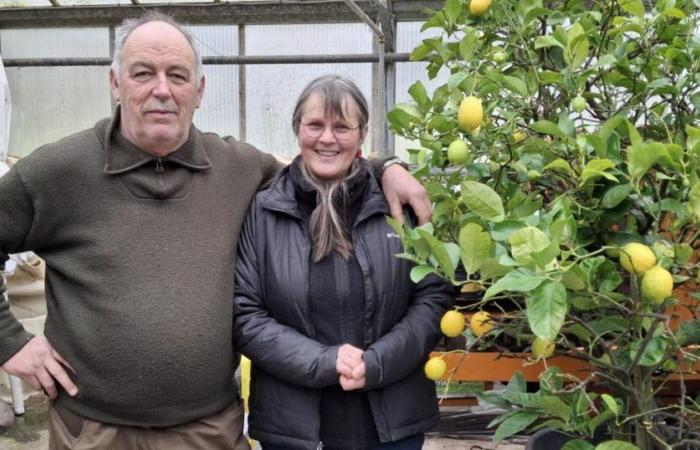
{"x":129,"y":25}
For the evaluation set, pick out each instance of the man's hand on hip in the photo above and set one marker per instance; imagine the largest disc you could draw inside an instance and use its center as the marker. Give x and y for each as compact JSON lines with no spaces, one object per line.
{"x":41,"y":366}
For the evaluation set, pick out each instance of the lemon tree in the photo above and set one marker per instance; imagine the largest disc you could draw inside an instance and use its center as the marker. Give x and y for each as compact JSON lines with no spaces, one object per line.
{"x":583,"y":131}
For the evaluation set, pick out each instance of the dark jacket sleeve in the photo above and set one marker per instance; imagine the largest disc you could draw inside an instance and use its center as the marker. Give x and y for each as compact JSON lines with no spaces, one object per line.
{"x":408,"y":343}
{"x":276,"y":348}
{"x":16,"y":216}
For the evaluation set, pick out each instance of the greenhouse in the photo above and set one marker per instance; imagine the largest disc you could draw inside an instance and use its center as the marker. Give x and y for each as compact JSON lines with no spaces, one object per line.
{"x":350,"y":224}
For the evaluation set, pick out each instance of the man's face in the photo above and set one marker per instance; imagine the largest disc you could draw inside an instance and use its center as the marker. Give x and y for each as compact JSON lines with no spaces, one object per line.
{"x":157,"y":88}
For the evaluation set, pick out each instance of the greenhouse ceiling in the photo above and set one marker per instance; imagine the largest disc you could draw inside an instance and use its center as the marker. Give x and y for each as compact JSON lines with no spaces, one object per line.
{"x":73,"y":13}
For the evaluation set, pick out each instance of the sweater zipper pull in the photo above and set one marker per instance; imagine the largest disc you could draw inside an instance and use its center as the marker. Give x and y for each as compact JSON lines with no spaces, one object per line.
{"x":159,"y":166}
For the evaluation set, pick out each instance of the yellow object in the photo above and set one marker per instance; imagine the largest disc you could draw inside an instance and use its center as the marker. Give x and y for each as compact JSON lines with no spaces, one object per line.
{"x":452,"y":323}
{"x":479,"y":7}
{"x":519,"y":136}
{"x":481,"y":323}
{"x":245,"y":381}
{"x":470,"y":113}
{"x":657,"y":284}
{"x":637,"y":258}
{"x":542,"y":348}
{"x":435,"y":368}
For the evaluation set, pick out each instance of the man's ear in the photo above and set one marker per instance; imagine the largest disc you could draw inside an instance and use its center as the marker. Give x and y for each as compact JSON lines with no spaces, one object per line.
{"x":200,"y":91}
{"x":114,"y":84}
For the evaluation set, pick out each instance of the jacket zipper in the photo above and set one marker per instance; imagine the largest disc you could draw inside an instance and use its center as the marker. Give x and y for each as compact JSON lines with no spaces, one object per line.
{"x":159,"y":166}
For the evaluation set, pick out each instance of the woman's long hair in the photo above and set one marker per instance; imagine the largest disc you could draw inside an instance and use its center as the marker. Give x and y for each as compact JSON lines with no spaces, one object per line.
{"x":327,"y":225}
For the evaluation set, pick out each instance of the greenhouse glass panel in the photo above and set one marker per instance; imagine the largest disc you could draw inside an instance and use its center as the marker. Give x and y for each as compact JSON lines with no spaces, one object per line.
{"x":217,"y":40}
{"x":272,"y":91}
{"x":49,"y":103}
{"x":308,"y":39}
{"x":219,"y":110}
{"x":54,"y":43}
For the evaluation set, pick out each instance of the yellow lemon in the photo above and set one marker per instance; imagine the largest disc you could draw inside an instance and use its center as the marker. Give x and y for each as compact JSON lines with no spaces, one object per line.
{"x":481,"y":323}
{"x":637,"y":258}
{"x":470,"y":113}
{"x":518,"y":136}
{"x":435,"y":368}
{"x":452,"y":323}
{"x":657,"y":284}
{"x":479,"y":7}
{"x":457,"y":152}
{"x":542,"y":348}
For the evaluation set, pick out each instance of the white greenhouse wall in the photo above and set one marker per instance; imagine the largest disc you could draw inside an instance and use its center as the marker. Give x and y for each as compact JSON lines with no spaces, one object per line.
{"x":50,"y":103}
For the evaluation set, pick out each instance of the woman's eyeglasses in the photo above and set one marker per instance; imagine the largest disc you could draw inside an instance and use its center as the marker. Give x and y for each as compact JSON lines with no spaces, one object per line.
{"x":341,"y":132}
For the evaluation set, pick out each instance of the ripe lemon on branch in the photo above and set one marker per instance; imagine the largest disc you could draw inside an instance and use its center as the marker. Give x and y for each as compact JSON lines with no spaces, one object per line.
{"x":470,"y":113}
{"x":481,"y":323}
{"x":637,"y":258}
{"x":657,"y":284}
{"x":452,"y":323}
{"x":435,"y":368}
{"x":479,"y":7}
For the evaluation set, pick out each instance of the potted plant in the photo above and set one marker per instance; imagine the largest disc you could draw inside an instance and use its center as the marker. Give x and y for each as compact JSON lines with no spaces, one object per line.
{"x":563,"y":159}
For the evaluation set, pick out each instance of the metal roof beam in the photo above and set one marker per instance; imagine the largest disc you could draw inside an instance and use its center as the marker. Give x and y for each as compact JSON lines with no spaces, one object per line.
{"x":326,"y":11}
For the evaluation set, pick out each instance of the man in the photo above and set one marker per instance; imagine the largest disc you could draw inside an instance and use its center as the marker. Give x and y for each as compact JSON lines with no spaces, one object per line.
{"x":138,"y":350}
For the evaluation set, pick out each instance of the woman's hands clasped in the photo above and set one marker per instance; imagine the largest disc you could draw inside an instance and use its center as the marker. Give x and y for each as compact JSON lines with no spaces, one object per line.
{"x":350,"y":367}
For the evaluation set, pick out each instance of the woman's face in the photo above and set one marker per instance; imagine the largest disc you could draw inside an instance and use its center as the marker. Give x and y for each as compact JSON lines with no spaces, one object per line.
{"x":329,"y":143}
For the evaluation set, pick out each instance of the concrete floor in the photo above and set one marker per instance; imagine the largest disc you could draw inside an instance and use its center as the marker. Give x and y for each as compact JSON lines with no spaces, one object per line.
{"x":30,"y":433}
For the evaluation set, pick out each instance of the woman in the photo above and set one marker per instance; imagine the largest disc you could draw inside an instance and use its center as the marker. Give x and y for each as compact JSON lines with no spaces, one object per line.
{"x":335,"y":328}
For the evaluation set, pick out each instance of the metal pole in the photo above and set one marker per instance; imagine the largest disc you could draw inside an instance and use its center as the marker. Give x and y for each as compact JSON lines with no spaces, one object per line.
{"x":241,"y":86}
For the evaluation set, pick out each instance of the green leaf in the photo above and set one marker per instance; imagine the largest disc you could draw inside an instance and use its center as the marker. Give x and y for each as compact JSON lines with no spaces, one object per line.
{"x":483,"y":201}
{"x":547,"y":127}
{"x":615,"y":195}
{"x":577,"y":51}
{"x":396,"y":226}
{"x":475,"y":247}
{"x":694,"y":200}
{"x":520,"y":280}
{"x":420,"y":272}
{"x":515,"y":423}
{"x":453,"y":8}
{"x":597,"y":168}
{"x":559,"y":165}
{"x":546,"y":309}
{"x":634,"y":7}
{"x":420,"y":52}
{"x":467,"y":46}
{"x":611,"y":403}
{"x":440,"y":253}
{"x":652,"y":354}
{"x":503,"y":230}
{"x":577,"y":444}
{"x":420,"y":96}
{"x":526,"y":241}
{"x":517,"y":383}
{"x":642,"y":157}
{"x":515,"y":85}
{"x":455,"y":80}
{"x":616,"y":445}
{"x":547,"y":41}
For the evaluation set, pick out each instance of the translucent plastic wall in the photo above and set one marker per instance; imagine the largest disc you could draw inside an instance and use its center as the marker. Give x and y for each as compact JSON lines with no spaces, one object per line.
{"x":50,"y":103}
{"x":272,"y":89}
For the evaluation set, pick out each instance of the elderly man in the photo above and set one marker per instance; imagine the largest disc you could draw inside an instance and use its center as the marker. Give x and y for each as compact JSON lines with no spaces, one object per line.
{"x":138,"y":351}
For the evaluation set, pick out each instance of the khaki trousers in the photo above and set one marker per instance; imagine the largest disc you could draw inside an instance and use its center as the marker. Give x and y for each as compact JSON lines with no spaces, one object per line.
{"x":223,"y":430}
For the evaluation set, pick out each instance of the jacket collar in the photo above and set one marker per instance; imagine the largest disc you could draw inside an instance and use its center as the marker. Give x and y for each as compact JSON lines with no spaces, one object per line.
{"x":280,"y":196}
{"x":121,"y":155}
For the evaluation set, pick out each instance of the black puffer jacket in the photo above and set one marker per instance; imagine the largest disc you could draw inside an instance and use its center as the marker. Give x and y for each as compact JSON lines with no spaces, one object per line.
{"x":272,"y":324}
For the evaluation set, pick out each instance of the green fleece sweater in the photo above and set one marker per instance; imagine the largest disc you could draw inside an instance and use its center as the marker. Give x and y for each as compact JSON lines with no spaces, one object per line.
{"x":140,"y":256}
